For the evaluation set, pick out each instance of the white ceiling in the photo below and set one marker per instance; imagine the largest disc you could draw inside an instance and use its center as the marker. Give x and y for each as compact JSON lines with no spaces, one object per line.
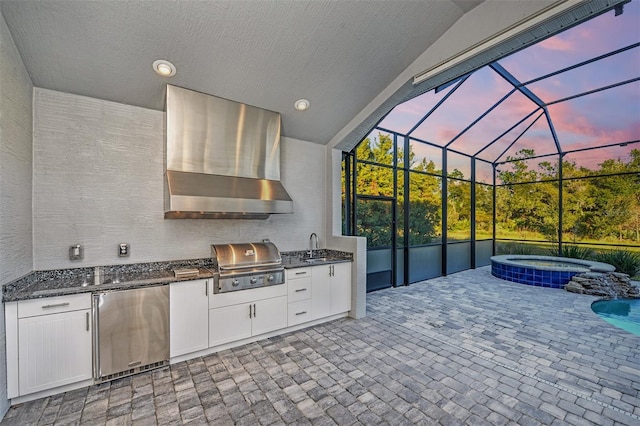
{"x":339,"y":54}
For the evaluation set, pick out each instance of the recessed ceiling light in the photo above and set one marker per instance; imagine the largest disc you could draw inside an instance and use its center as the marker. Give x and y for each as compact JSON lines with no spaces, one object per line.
{"x":164,"y":68}
{"x":301,"y":104}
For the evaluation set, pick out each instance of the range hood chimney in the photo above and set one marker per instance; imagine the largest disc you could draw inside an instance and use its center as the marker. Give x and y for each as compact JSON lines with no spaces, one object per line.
{"x":222,"y":159}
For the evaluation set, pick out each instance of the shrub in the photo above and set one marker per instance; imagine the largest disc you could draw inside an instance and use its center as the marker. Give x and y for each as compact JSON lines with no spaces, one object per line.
{"x":574,"y":252}
{"x":625,"y":261}
{"x":515,"y":248}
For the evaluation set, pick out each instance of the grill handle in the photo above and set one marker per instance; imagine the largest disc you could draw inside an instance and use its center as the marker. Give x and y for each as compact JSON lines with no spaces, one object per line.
{"x":249,"y":266}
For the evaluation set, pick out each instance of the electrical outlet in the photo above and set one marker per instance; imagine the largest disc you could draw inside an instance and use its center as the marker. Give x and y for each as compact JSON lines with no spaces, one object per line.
{"x":76,"y":252}
{"x":123,"y":250}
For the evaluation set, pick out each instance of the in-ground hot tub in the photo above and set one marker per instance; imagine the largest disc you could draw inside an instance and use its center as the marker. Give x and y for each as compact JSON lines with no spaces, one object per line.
{"x":543,"y":271}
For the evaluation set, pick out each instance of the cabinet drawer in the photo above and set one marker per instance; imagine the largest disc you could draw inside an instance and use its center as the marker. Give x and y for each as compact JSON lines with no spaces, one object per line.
{"x":299,"y":289}
{"x":299,"y":312}
{"x":53,"y":305}
{"x":295,"y":273}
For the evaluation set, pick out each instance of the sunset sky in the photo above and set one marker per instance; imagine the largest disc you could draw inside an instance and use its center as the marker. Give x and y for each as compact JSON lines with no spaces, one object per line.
{"x":606,"y":117}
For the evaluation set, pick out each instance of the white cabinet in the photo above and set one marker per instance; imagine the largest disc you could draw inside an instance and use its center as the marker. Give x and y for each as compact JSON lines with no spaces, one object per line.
{"x":50,"y":341}
{"x":331,"y":289}
{"x":299,"y":295}
{"x":321,"y":292}
{"x":230,"y":323}
{"x":188,"y":316}
{"x":340,"y":288}
{"x":242,"y":314}
{"x":269,"y":315}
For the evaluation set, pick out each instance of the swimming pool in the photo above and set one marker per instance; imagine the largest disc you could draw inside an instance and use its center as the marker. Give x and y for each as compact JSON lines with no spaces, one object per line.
{"x":622,"y":313}
{"x":543,"y":271}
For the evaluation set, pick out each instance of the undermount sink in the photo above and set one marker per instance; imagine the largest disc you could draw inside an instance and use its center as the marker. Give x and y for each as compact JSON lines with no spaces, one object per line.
{"x":316,"y":259}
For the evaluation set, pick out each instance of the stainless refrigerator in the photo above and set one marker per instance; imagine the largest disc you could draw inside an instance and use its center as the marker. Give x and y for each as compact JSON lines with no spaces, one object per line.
{"x":131,"y":331}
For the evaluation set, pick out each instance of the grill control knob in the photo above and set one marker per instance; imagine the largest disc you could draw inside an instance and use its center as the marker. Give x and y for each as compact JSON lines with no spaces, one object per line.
{"x":253,"y":280}
{"x":235,"y":283}
{"x":270,"y":278}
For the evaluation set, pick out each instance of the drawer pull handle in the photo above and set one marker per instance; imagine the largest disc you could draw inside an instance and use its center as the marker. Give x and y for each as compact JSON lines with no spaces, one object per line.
{"x":87,"y":321}
{"x":55,"y":305}
{"x":301,"y":289}
{"x":301,"y":313}
{"x":301,"y":273}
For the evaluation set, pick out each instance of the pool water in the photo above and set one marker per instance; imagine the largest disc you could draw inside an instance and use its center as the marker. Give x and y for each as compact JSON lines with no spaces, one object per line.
{"x":622,"y":313}
{"x":552,"y":263}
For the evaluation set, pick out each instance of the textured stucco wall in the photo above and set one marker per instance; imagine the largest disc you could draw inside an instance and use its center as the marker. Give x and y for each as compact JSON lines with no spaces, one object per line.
{"x":98,"y":181}
{"x":16,"y":94}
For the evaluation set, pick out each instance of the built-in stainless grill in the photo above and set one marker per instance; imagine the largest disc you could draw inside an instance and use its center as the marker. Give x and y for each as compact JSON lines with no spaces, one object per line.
{"x":247,"y":265}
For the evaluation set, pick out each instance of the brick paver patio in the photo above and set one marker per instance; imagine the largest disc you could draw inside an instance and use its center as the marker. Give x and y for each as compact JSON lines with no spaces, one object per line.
{"x":463,"y":349}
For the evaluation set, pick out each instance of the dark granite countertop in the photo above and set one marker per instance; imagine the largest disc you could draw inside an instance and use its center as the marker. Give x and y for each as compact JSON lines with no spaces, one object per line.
{"x":301,"y":259}
{"x":63,"y":282}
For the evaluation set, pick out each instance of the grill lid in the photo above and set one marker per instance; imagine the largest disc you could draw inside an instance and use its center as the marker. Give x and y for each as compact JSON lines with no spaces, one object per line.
{"x":245,"y":255}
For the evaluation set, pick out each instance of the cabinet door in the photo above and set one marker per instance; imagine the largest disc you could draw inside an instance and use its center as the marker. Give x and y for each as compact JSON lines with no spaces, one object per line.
{"x":321,"y":291}
{"x":341,"y":288}
{"x":269,"y":315}
{"x":230,"y":323}
{"x":54,"y":350}
{"x":188,"y":316}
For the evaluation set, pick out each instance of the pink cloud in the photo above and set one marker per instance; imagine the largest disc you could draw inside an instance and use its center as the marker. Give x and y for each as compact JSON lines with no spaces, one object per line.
{"x":410,"y":108}
{"x":590,"y":39}
{"x":474,"y":97}
{"x":446,"y":133}
{"x":593,"y":158}
{"x":557,"y":43}
{"x":608,"y":117}
{"x":512,"y":110}
{"x":575,"y":130}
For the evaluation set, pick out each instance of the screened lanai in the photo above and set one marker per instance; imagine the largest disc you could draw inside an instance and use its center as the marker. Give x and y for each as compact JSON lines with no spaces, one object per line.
{"x":537,"y":152}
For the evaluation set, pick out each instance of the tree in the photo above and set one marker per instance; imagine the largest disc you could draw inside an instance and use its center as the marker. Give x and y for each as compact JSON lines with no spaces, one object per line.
{"x":484,"y":211}
{"x":374,"y":216}
{"x":458,"y":204}
{"x":602,"y":203}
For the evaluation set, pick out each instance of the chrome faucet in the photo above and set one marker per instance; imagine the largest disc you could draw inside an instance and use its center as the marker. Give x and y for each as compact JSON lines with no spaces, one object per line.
{"x":313,"y":234}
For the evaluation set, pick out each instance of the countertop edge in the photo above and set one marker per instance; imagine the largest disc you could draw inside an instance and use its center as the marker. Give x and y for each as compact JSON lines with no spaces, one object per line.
{"x":100,"y":288}
{"x":34,"y":285}
{"x":303,"y":264}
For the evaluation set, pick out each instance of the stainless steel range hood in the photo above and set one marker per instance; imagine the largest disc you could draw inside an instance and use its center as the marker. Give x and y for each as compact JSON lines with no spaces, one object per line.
{"x":222,"y":159}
